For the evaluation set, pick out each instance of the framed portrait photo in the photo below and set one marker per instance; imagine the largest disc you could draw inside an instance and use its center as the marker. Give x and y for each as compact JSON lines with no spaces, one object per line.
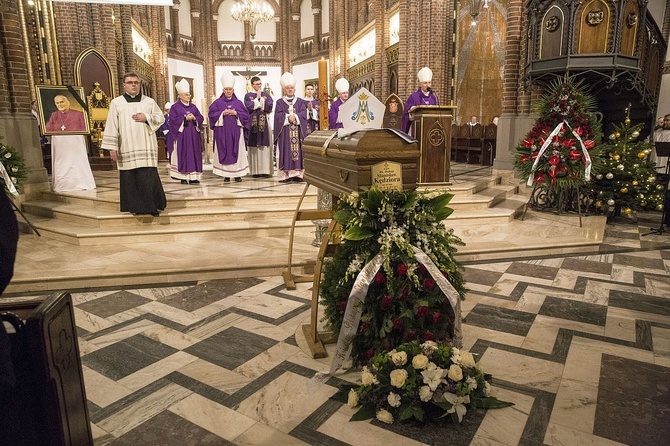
{"x":62,"y":110}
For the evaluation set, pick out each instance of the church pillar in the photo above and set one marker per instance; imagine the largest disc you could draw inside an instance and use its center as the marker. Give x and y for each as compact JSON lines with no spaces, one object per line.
{"x":516,"y":119}
{"x":17,"y":126}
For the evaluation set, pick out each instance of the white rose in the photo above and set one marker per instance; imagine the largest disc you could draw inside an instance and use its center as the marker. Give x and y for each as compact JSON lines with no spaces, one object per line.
{"x":399,"y":358}
{"x":385,"y":416}
{"x":455,"y":373}
{"x":487,"y":388}
{"x":429,"y":347}
{"x":393,"y":399}
{"x":398,"y":377}
{"x":472,"y":383}
{"x":455,"y":355}
{"x":467,"y":360}
{"x":8,"y":155}
{"x":420,"y":362}
{"x":367,"y":378}
{"x":14,"y":180}
{"x":15,"y":169}
{"x":425,"y":394}
{"x":352,"y":401}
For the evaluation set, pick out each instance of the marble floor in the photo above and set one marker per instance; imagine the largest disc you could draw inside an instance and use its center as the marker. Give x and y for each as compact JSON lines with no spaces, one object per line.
{"x":580,"y":343}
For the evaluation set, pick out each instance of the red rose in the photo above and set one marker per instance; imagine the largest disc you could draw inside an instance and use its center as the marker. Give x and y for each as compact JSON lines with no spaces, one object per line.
{"x":379,"y":278}
{"x":369,"y":353}
{"x":397,"y":324}
{"x":422,"y":311}
{"x":437,"y":317}
{"x":563,"y":168}
{"x":342,"y":305}
{"x":411,"y":335}
{"x":428,"y":336}
{"x":405,"y":294}
{"x":387,"y":302}
{"x":401,"y":269}
{"x":428,"y":284}
{"x":589,"y":144}
{"x":542,"y":140}
{"x":528,"y":143}
{"x":574,"y":155}
{"x":554,"y":160}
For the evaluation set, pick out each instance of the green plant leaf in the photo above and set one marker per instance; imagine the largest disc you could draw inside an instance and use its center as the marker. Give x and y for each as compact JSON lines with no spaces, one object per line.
{"x":358,"y":233}
{"x":366,"y":412}
{"x":491,"y":402}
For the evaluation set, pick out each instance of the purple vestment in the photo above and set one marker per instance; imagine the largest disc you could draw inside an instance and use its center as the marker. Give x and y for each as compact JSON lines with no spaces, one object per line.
{"x":227,"y":136}
{"x":333,"y":114}
{"x":259,"y":134}
{"x":416,"y":99}
{"x":288,"y":138}
{"x":312,"y":116}
{"x":189,"y":144}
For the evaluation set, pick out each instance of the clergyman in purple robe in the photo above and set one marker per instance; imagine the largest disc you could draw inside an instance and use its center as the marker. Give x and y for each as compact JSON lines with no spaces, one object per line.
{"x":230,"y":120}
{"x":289,"y":131}
{"x":185,"y":125}
{"x":334,"y":118}
{"x":423,"y":96}
{"x":259,"y":105}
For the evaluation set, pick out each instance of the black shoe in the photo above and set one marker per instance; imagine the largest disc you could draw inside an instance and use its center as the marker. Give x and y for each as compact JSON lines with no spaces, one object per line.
{"x":256,"y":176}
{"x":155,"y":214}
{"x":226,"y":180}
{"x":266,"y":176}
{"x":184,"y":182}
{"x":238,"y":179}
{"x":194,"y":182}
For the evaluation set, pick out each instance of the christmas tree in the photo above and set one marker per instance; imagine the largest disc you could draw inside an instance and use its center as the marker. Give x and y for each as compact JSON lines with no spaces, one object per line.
{"x":628,"y":182}
{"x":561,"y":149}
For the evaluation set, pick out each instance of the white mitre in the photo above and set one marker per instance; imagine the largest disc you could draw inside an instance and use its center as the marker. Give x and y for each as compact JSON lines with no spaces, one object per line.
{"x":228,"y":80}
{"x":425,"y":75}
{"x":182,"y":87}
{"x":167,"y":106}
{"x":342,"y":85}
{"x":287,"y":79}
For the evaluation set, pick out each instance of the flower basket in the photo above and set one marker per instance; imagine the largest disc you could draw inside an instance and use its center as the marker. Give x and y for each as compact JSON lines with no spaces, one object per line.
{"x":422,"y":381}
{"x":394,"y":278}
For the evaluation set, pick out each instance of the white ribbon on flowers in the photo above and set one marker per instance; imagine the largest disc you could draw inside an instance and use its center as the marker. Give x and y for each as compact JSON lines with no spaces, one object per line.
{"x":587,"y":169}
{"x":8,"y":180}
{"x":354,"y":310}
{"x":544,"y":147}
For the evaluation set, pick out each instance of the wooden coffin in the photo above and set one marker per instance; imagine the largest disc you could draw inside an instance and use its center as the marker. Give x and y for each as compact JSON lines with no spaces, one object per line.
{"x":344,"y":165}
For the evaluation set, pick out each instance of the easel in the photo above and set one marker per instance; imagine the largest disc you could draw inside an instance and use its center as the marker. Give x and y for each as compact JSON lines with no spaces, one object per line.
{"x":329,"y":243}
{"x":561,"y":199}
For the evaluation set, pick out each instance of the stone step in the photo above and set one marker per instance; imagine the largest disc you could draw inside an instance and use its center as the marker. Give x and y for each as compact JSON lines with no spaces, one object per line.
{"x":149,"y":230}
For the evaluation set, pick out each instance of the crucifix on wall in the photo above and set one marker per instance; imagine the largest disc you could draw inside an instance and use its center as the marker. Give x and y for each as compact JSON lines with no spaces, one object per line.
{"x":248,"y":74}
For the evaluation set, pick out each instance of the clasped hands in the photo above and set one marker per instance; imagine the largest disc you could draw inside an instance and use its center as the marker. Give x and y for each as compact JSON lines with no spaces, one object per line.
{"x":229,"y":112}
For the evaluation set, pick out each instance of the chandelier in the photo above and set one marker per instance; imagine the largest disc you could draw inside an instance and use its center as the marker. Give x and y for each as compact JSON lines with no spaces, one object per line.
{"x":252,"y":11}
{"x":476,"y":5}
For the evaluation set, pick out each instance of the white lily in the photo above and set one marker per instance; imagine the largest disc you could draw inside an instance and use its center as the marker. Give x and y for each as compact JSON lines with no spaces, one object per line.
{"x":458,"y":404}
{"x":433,"y":378}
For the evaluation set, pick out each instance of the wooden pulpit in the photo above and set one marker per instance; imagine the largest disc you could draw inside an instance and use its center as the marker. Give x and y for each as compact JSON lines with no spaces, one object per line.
{"x":432,"y":129}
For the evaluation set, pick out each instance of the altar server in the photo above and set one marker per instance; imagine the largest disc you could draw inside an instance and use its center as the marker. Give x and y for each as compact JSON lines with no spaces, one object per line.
{"x":312,"y":109}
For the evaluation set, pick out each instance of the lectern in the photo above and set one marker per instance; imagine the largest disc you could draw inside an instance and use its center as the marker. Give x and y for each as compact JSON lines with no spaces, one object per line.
{"x":432,"y":129}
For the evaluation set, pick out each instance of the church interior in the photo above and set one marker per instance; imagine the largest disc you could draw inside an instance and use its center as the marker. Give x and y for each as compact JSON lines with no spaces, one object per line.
{"x":182,"y":327}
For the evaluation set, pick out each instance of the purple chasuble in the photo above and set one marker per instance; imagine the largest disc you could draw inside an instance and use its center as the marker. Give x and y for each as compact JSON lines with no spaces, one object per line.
{"x":259,"y":134}
{"x":288,"y":138}
{"x":189,"y":144}
{"x":312,"y":124}
{"x":416,"y":99}
{"x":333,"y":113}
{"x":227,"y":136}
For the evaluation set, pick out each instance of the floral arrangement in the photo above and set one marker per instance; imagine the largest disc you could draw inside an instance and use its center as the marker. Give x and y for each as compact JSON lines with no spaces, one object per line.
{"x":403,"y":302}
{"x":422,"y":381}
{"x":563,"y":163}
{"x":14,"y":165}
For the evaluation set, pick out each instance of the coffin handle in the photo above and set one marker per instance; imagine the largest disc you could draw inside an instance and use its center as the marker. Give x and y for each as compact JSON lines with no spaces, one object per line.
{"x":344,"y":176}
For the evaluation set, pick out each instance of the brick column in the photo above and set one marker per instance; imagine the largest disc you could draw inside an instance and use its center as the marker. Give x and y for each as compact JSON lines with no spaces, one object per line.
{"x":16,"y":122}
{"x":515,"y":120}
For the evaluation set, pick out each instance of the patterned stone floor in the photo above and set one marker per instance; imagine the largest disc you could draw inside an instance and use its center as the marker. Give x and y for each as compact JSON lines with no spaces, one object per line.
{"x":580,"y":344}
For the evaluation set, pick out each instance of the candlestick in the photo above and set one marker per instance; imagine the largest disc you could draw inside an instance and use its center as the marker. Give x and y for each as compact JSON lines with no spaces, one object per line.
{"x":323,"y":98}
